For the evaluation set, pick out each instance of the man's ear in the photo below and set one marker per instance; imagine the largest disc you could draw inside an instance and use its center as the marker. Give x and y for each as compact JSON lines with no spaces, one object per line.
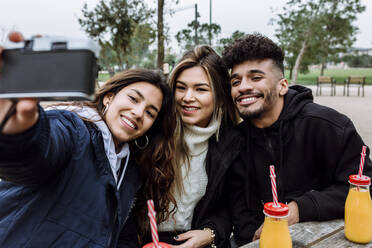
{"x":283,"y":86}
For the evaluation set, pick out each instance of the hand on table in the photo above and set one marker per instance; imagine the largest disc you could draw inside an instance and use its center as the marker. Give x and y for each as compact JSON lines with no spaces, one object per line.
{"x":293,"y":218}
{"x":26,"y":113}
{"x":194,"y":239}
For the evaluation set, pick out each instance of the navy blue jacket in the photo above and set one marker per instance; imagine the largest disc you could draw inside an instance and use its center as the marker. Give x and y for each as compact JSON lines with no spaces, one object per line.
{"x":57,"y":188}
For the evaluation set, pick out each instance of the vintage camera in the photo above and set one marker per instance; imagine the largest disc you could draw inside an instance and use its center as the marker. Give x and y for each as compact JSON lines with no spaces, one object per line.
{"x":49,"y":68}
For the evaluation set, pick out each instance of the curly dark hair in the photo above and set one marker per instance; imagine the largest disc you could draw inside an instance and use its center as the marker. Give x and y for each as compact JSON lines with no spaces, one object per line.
{"x":253,"y":47}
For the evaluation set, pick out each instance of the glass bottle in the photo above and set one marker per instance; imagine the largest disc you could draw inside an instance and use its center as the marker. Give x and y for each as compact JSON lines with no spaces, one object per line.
{"x":358,"y":210}
{"x":275,"y":232}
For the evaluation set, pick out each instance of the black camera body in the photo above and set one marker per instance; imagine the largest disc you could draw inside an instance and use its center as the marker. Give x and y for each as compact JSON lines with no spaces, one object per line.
{"x":49,"y":68}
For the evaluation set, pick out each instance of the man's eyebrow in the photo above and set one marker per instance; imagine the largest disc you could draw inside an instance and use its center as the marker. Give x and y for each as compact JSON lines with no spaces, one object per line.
{"x":235,"y":75}
{"x":256,"y":71}
{"x":143,"y":98}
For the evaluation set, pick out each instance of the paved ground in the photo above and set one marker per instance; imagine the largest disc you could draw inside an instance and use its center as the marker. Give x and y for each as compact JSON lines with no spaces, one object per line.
{"x":358,"y":109}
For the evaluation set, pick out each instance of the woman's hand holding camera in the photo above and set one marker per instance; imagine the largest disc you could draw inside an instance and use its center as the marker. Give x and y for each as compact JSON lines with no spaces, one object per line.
{"x":26,"y":110}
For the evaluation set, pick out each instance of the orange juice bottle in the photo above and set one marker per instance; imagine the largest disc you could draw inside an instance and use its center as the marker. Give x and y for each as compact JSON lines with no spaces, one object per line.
{"x":275,"y":232}
{"x":358,"y":210}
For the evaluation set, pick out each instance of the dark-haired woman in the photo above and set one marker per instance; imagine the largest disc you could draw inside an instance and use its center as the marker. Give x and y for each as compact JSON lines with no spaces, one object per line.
{"x":206,"y":145}
{"x":69,"y":178}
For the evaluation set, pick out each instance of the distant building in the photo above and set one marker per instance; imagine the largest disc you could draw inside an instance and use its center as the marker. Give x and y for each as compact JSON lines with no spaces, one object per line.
{"x":360,"y":51}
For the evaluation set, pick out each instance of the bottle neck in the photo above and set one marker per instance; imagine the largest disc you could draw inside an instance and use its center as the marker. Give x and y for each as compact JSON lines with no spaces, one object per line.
{"x":361,"y":188}
{"x":285,"y":217}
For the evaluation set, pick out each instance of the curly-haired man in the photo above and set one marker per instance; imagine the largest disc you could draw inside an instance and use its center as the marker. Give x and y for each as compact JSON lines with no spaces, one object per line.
{"x":314,"y":148}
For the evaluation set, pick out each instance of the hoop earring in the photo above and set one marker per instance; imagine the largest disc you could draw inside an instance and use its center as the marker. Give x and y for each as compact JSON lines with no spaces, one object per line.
{"x":144,"y":146}
{"x":106,"y":108}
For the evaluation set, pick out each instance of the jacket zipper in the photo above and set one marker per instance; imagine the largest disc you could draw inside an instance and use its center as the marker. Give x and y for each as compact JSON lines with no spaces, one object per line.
{"x":273,"y":161}
{"x":269,"y":146}
{"x":130,"y":210}
{"x":109,"y":243}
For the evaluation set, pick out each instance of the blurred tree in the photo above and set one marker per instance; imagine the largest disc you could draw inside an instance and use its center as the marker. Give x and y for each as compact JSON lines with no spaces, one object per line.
{"x":138,"y":52}
{"x":144,"y":35}
{"x":185,"y":37}
{"x":363,"y":60}
{"x":160,"y":29}
{"x":107,"y":59}
{"x":113,"y":23}
{"x":314,"y":31}
{"x":149,"y":61}
{"x":229,"y":40}
{"x":170,"y":58}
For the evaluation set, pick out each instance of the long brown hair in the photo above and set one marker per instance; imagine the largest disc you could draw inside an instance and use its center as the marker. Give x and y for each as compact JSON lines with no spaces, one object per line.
{"x":154,"y":161}
{"x":206,"y":58}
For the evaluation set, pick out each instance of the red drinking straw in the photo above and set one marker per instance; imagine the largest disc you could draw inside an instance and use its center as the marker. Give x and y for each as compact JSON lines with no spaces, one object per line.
{"x":361,"y":165}
{"x":154,"y":228}
{"x":273,"y":185}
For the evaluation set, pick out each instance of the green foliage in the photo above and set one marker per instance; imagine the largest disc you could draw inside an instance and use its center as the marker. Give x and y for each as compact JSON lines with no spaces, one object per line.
{"x":324,"y":28}
{"x":170,"y":58}
{"x":140,"y":54}
{"x":186,"y":37}
{"x":235,"y":35}
{"x":358,"y":60}
{"x":107,"y":58}
{"x":223,"y":42}
{"x":113,"y":23}
{"x":149,"y":61}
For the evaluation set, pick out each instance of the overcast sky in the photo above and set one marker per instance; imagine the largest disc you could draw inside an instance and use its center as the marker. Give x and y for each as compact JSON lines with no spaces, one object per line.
{"x":59,"y":17}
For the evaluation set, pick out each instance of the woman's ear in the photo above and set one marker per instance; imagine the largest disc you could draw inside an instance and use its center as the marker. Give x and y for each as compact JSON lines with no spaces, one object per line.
{"x":283,"y":87}
{"x":108,"y":98}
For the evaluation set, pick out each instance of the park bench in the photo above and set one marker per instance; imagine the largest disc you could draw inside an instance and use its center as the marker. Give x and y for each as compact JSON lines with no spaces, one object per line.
{"x":325,"y":81}
{"x":356,"y":81}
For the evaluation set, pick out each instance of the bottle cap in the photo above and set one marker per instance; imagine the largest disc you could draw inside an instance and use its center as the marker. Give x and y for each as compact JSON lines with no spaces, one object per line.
{"x":275,"y":211}
{"x":357,"y":180}
{"x":161,"y":244}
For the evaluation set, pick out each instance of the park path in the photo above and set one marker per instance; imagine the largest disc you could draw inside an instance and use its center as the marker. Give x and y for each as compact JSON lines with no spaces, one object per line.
{"x":358,"y":109}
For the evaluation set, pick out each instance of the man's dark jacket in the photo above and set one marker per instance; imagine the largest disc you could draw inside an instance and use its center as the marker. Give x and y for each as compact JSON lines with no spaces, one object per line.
{"x":58,"y":189}
{"x":314,"y":149}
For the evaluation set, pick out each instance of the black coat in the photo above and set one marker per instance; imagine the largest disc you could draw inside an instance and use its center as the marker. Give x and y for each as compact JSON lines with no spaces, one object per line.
{"x":212,"y":209}
{"x":314,"y":150}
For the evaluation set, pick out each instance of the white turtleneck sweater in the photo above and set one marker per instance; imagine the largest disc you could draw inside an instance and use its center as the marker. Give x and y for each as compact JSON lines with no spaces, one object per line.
{"x":195,"y":178}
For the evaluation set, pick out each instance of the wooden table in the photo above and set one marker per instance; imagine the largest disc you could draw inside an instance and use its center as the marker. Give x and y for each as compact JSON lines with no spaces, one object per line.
{"x":325,"y":234}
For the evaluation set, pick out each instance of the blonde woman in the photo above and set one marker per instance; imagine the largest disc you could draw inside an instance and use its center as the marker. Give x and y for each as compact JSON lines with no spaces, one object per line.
{"x":206,"y":145}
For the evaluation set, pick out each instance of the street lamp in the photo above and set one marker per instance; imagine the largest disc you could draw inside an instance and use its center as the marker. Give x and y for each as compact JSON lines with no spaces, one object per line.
{"x":196,"y":24}
{"x":196,"y":40}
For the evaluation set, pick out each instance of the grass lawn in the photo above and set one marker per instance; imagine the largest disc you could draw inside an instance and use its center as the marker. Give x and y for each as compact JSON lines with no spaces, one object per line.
{"x":339,"y":74}
{"x":310,"y":78}
{"x":102,"y":77}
